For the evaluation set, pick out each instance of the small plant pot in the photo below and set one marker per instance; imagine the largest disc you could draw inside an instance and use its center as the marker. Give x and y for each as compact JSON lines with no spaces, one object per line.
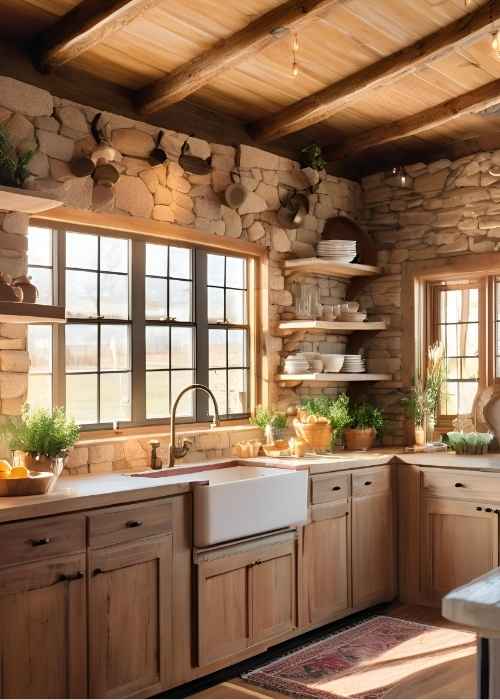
{"x":360,"y":438}
{"x":419,"y":435}
{"x":42,"y":463}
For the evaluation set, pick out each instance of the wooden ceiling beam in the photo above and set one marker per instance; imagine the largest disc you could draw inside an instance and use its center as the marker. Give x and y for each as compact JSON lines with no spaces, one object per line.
{"x":471,"y":101}
{"x":322,"y":104}
{"x":86,"y":25}
{"x":255,"y":37}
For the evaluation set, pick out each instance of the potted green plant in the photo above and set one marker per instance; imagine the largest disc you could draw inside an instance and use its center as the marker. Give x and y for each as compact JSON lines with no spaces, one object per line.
{"x":366,"y":421}
{"x":434,"y":379}
{"x":272,"y":422}
{"x":13,"y":162}
{"x":45,"y":438}
{"x":312,"y":157}
{"x":416,"y":406}
{"x":334,"y":409}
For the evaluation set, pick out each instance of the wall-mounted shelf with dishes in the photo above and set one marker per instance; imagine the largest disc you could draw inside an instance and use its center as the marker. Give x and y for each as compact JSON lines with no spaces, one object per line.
{"x":334,"y":377}
{"x":21,"y":312}
{"x":312,"y":326}
{"x":329,"y":268}
{"x":25,"y":201}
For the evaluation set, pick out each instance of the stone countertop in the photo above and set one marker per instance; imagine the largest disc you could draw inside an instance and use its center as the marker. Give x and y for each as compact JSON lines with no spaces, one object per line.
{"x":99,"y":490}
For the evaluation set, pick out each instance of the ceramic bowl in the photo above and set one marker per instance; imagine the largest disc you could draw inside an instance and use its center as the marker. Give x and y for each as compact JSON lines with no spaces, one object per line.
{"x":332,"y":362}
{"x":351,"y":316}
{"x":316,"y":365}
{"x":350,"y":306}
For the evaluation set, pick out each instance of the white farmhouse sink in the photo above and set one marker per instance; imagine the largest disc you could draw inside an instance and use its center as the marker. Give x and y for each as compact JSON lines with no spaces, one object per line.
{"x":245,"y":500}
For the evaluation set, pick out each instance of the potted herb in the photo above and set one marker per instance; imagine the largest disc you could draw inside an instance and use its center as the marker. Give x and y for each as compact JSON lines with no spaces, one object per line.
{"x":416,"y":408}
{"x":44,"y":437}
{"x":434,"y":379}
{"x":366,"y":421}
{"x":13,"y":163}
{"x":334,"y":410}
{"x":273,"y":423}
{"x":312,"y":157}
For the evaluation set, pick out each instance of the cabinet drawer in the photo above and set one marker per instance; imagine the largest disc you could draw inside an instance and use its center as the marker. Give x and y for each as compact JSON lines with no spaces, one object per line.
{"x":368,"y":481}
{"x":128,"y":523}
{"x":37,"y":539}
{"x":329,"y":487}
{"x":461,"y":484}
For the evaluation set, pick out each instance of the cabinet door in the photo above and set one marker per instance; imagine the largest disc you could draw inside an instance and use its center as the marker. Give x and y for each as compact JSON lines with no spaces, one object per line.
{"x":459,"y":543}
{"x":326,"y":562}
{"x":373,"y":549}
{"x":273,"y":593}
{"x":43,"y":643}
{"x":130,"y":618}
{"x":223,"y":607}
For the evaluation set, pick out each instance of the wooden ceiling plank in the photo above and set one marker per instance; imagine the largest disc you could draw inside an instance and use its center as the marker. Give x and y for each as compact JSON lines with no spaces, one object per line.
{"x":253,"y":38}
{"x":322,"y":104}
{"x":83,"y":27}
{"x":426,"y":119}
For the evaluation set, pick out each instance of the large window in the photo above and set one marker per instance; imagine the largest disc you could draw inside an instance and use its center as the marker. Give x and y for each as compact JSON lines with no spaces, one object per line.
{"x":144,"y":320}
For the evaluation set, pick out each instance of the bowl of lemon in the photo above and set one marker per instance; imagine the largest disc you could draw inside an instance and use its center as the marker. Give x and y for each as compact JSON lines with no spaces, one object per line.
{"x":20,"y":481}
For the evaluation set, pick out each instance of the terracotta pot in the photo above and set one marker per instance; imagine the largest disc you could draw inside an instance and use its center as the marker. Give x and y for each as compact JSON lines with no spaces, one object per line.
{"x":419,"y":435}
{"x":30,"y":292}
{"x":7,"y":291}
{"x":317,"y":436}
{"x":360,"y":438}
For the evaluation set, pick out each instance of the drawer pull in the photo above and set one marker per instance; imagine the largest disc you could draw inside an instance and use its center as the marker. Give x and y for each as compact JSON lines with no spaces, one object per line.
{"x":335,"y":488}
{"x":134,"y":523}
{"x":488,"y":510}
{"x":72,"y":577}
{"x":97,"y":571}
{"x":479,"y":508}
{"x":40,"y":542}
{"x":459,"y":485}
{"x":368,"y":483}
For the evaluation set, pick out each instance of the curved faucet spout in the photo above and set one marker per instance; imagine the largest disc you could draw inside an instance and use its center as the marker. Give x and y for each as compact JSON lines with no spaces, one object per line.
{"x":178,"y":452}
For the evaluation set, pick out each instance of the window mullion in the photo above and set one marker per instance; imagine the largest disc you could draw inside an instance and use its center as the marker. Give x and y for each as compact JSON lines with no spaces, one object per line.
{"x":138,"y":330}
{"x":201,"y":340}
{"x":59,"y":349}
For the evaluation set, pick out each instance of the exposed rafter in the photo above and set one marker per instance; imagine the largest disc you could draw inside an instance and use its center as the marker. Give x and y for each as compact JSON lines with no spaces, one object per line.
{"x":83,"y":27}
{"x":253,"y":38}
{"x":473,"y":100}
{"x":322,"y":104}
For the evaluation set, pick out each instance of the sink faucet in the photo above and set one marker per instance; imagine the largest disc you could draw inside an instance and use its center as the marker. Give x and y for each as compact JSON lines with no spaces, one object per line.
{"x":175,"y":452}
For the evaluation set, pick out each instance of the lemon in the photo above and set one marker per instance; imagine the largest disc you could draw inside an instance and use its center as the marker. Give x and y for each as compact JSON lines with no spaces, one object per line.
{"x":19,"y":473}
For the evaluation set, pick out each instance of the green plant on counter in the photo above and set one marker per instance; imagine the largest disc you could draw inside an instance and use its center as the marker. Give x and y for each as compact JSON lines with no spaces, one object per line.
{"x":312,"y":157}
{"x":335,"y":410}
{"x":265,"y":417}
{"x":365,"y":415}
{"x":40,"y":432}
{"x":416,"y":404}
{"x":13,"y":163}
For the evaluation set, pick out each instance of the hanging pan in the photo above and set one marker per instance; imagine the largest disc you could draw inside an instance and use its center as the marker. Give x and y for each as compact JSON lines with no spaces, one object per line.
{"x":193,"y":164}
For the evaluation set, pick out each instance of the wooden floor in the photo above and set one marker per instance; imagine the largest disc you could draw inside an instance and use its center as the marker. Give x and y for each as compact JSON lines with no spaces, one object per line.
{"x":454,"y":678}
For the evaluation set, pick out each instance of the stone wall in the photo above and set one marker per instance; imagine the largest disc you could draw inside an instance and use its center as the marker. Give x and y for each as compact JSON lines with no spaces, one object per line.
{"x":60,"y":130}
{"x":444,"y":209}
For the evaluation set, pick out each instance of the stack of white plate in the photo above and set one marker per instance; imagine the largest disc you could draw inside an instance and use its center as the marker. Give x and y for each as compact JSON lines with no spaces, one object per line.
{"x":353,"y":363}
{"x":295,"y":365}
{"x":342,"y":251}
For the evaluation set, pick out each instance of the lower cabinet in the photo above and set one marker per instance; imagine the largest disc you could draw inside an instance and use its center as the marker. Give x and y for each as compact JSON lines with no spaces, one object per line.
{"x":130,"y":600}
{"x":246,"y":595}
{"x":459,"y":543}
{"x":43,"y":643}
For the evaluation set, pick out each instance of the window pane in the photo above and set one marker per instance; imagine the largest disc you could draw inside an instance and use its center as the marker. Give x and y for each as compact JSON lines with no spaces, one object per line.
{"x":180,"y":263}
{"x":217,"y":383}
{"x":215,"y":302}
{"x":156,"y":259}
{"x":157,"y":394}
{"x":237,"y":346}
{"x":40,"y":348}
{"x":81,"y":294}
{"x":156,"y":298}
{"x":157,"y":344}
{"x":81,"y":397}
{"x":235,"y":306}
{"x":39,"y":246}
{"x":81,"y":251}
{"x":40,"y":391}
{"x":42,"y":279}
{"x":452,"y":368}
{"x":114,"y":296}
{"x":470,"y":368}
{"x":217,"y":347}
{"x":182,"y":348}
{"x":215,"y":270}
{"x":236,"y":273}
{"x":81,"y":348}
{"x":115,"y":348}
{"x":180,"y":380}
{"x":114,"y":254}
{"x":116,"y":401}
{"x":237,"y":391}
{"x":180,"y":300}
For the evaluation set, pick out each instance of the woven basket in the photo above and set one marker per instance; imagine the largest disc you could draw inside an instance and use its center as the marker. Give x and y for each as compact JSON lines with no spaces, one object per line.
{"x":317,"y":436}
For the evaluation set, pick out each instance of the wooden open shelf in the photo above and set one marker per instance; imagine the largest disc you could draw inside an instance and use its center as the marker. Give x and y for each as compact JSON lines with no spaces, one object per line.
{"x":328,"y":268}
{"x":334,"y":377}
{"x":25,"y":201}
{"x":19,"y":312}
{"x":287,"y":327}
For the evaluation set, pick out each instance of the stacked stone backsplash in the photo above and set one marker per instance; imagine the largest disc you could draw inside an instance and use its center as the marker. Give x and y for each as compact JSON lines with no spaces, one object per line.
{"x":444,"y":209}
{"x":60,"y":130}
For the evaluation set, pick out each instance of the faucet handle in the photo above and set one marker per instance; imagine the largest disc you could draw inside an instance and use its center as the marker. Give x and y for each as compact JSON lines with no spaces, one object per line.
{"x":155,"y":460}
{"x":183,"y":449}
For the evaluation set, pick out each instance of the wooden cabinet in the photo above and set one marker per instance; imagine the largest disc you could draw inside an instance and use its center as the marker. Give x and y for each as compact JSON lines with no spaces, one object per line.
{"x":326,"y":562}
{"x":459,"y":543}
{"x":130,"y":600}
{"x":43,"y":641}
{"x":246,"y":595}
{"x":373,"y":538}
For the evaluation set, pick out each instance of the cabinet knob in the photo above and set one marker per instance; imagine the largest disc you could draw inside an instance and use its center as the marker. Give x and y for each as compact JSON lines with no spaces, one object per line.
{"x":458,"y":485}
{"x":479,"y":508}
{"x":335,"y":488}
{"x":488,"y":510}
{"x":134,"y":523}
{"x":72,"y":577}
{"x":40,"y":542}
{"x":368,"y":483}
{"x":97,"y":571}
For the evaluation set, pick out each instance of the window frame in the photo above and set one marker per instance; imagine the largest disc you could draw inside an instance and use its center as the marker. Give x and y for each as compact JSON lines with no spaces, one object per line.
{"x":138,"y":323}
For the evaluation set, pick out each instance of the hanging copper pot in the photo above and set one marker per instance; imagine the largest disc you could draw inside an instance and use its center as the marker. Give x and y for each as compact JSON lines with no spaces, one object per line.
{"x":157,"y":155}
{"x":82,"y":167}
{"x":194,"y":164}
{"x":106,"y":174}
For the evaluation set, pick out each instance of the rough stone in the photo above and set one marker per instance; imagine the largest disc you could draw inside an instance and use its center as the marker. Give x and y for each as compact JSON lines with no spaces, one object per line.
{"x":162,"y":212}
{"x":256,"y":231}
{"x":251,"y":157}
{"x":132,"y":142}
{"x":39,"y":165}
{"x":16,"y":222}
{"x":55,"y":145}
{"x":13,"y":385}
{"x":19,"y":129}
{"x":207,"y":208}
{"x":430,"y":182}
{"x":133,"y":196}
{"x":72,"y":118}
{"x":24,"y":98}
{"x":253,"y":204}
{"x":280,"y":241}
{"x":14,"y":361}
{"x":232,"y":222}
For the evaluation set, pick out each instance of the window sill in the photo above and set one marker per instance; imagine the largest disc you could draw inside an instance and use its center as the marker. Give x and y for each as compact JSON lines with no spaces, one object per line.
{"x":97,"y":437}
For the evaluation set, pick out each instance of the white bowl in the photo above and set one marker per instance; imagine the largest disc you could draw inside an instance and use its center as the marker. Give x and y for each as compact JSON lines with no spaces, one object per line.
{"x":332,"y":363}
{"x":357,"y":317}
{"x":317,"y":365}
{"x":350,"y":306}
